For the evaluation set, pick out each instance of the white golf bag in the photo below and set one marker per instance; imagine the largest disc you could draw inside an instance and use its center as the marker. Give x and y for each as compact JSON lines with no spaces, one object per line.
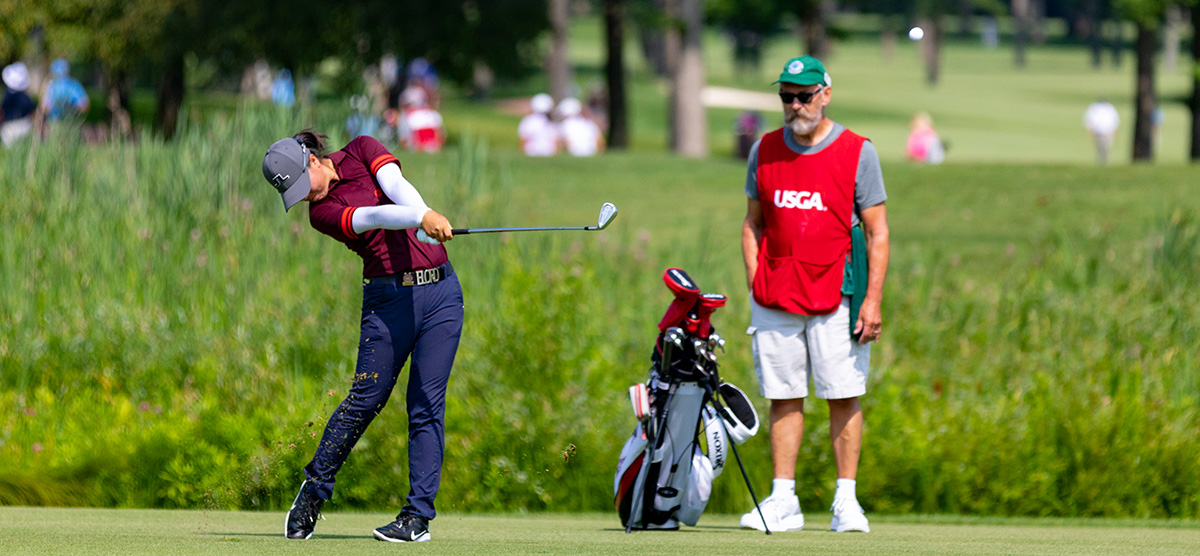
{"x":661,"y":485}
{"x":663,"y":476}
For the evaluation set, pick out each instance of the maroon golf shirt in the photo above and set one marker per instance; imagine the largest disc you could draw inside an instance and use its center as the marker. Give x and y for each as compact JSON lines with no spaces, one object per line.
{"x":383,"y":251}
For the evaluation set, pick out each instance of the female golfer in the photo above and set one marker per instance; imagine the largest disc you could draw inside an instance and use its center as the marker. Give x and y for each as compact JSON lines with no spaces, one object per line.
{"x":411,"y":304}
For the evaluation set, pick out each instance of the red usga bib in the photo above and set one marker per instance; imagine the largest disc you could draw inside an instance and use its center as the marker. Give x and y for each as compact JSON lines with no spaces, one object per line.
{"x":807,"y":202}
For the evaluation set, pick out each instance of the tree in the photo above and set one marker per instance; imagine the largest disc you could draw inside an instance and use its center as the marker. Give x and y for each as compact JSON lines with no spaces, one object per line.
{"x":1194,"y":153}
{"x":614,"y":71}
{"x":749,"y":23}
{"x":558,"y":68}
{"x":1147,"y":16}
{"x":1020,"y":12}
{"x":690,"y":125}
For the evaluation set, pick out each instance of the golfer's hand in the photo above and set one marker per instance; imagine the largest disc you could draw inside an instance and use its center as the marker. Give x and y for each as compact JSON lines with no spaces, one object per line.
{"x":870,"y":321}
{"x":436,"y":226}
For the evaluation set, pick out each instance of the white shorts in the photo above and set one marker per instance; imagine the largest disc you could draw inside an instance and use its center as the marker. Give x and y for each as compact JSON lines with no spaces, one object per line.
{"x":789,"y":349}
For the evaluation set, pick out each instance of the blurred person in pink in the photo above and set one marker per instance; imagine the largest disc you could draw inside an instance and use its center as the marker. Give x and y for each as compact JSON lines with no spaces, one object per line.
{"x":924,"y":145}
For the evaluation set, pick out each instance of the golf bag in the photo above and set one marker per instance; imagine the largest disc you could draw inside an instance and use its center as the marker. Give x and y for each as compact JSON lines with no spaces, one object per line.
{"x":664,"y":476}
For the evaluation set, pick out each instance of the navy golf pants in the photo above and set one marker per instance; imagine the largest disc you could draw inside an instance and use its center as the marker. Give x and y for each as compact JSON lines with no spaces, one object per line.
{"x":426,"y":322}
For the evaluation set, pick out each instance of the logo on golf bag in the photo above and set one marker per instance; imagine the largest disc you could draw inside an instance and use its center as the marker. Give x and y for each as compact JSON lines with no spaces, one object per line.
{"x":798,"y":199}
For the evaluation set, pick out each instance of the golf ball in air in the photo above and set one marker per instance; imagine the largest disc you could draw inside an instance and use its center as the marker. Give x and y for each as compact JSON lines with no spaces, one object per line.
{"x":916,"y":33}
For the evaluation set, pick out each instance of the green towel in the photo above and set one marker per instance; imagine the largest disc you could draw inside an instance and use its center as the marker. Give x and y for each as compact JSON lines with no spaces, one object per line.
{"x":854,"y":279}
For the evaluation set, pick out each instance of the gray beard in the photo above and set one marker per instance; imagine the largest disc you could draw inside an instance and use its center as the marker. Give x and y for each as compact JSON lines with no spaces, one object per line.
{"x":804,"y":126}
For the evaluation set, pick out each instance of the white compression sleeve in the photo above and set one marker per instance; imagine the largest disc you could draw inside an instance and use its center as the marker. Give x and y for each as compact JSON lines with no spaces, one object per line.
{"x":408,"y":211}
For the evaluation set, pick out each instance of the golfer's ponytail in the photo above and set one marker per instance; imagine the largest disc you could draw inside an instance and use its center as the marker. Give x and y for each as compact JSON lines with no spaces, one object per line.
{"x":315,"y":141}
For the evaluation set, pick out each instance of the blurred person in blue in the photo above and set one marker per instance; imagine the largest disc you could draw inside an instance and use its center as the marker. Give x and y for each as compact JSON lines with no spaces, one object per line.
{"x":64,"y":97}
{"x":361,"y":121}
{"x":422,"y":74}
{"x":283,"y":89}
{"x":16,"y":112}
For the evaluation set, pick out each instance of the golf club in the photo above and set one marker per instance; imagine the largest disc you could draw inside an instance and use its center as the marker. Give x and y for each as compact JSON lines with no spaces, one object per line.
{"x":608,"y":212}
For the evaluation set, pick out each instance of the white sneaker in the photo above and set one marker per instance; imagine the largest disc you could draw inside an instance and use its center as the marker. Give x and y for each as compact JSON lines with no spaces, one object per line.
{"x":782,"y":513}
{"x":848,"y":516}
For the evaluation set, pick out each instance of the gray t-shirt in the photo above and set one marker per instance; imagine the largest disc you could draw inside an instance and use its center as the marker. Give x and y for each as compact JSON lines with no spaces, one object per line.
{"x":868,"y":181}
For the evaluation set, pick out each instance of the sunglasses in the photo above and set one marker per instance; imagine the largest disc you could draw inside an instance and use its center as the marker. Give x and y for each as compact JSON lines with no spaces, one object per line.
{"x":804,"y":98}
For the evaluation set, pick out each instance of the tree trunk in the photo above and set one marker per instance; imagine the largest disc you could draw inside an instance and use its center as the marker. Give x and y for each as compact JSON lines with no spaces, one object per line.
{"x":1095,"y":30}
{"x":691,"y":122}
{"x":118,"y":104}
{"x":1171,"y":37}
{"x":614,"y":70}
{"x":557,"y":66}
{"x":672,"y":52}
{"x":1194,"y":153}
{"x":965,"y":7}
{"x":659,"y":55}
{"x":887,"y":39}
{"x":1146,"y":99}
{"x":814,"y":19}
{"x":1020,"y":12}
{"x":931,"y":47}
{"x":1037,"y":21}
{"x":170,"y":95}
{"x":1118,"y":42}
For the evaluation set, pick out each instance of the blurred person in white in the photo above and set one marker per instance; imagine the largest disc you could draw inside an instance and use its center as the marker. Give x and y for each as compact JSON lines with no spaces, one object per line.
{"x":16,"y":113}
{"x":1101,"y":120}
{"x":538,"y":133}
{"x":581,"y":136}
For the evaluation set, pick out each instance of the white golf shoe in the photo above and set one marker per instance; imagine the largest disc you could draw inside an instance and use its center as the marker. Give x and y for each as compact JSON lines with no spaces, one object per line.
{"x":848,"y":516}
{"x":782,"y":514}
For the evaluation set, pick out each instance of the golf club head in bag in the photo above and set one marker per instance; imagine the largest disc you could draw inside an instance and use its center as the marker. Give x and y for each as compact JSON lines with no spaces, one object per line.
{"x":739,"y":415}
{"x":686,"y":294}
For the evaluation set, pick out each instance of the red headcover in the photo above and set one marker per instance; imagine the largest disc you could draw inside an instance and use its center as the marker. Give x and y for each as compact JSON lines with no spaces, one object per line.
{"x":709,"y":302}
{"x":687,"y":293}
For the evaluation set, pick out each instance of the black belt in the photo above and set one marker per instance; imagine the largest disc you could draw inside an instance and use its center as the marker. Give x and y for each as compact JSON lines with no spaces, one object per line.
{"x":416,"y":277}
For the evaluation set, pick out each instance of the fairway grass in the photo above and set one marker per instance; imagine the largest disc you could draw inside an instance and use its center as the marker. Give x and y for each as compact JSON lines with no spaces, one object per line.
{"x":32,"y":531}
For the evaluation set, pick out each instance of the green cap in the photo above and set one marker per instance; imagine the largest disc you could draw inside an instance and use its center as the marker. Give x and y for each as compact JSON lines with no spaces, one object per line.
{"x":805,"y":70}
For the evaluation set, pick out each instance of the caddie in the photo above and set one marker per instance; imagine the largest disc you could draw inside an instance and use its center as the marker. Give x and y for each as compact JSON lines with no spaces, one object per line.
{"x":815,"y":245}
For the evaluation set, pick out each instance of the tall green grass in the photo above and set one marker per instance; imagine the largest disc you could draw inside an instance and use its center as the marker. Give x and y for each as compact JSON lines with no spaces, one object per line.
{"x":170,"y":338}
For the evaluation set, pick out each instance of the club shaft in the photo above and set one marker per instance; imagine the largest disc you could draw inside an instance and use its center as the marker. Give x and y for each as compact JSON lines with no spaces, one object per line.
{"x":465,"y":231}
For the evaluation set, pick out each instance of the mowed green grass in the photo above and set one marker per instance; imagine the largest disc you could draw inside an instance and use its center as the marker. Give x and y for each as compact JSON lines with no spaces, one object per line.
{"x":985,"y":108}
{"x":35,"y":531}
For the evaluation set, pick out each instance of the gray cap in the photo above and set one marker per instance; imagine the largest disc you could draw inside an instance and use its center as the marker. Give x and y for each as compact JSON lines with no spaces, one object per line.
{"x":286,"y":168}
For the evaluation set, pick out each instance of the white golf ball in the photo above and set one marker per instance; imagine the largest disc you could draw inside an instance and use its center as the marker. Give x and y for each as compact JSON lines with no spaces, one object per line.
{"x":916,"y":33}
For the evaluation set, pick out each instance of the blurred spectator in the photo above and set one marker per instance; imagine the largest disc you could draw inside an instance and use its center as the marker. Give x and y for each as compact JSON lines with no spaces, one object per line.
{"x":1101,"y":120}
{"x":1156,"y":122}
{"x":597,"y":104}
{"x":538,"y":133}
{"x":924,"y":145}
{"x":283,"y":90}
{"x":64,"y":96}
{"x":423,"y":129}
{"x":581,"y":136}
{"x":990,"y":34}
{"x":422,"y":74}
{"x":16,"y":112}
{"x":747,"y":128}
{"x":361,"y":121}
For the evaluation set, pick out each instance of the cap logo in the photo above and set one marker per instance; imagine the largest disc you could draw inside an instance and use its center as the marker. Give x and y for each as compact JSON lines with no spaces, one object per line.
{"x":795,"y":67}
{"x":279,"y":180}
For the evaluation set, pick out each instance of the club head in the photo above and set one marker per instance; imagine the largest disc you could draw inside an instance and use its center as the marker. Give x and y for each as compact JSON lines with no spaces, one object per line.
{"x":608,"y":212}
{"x":675,"y":336}
{"x":716,"y":341}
